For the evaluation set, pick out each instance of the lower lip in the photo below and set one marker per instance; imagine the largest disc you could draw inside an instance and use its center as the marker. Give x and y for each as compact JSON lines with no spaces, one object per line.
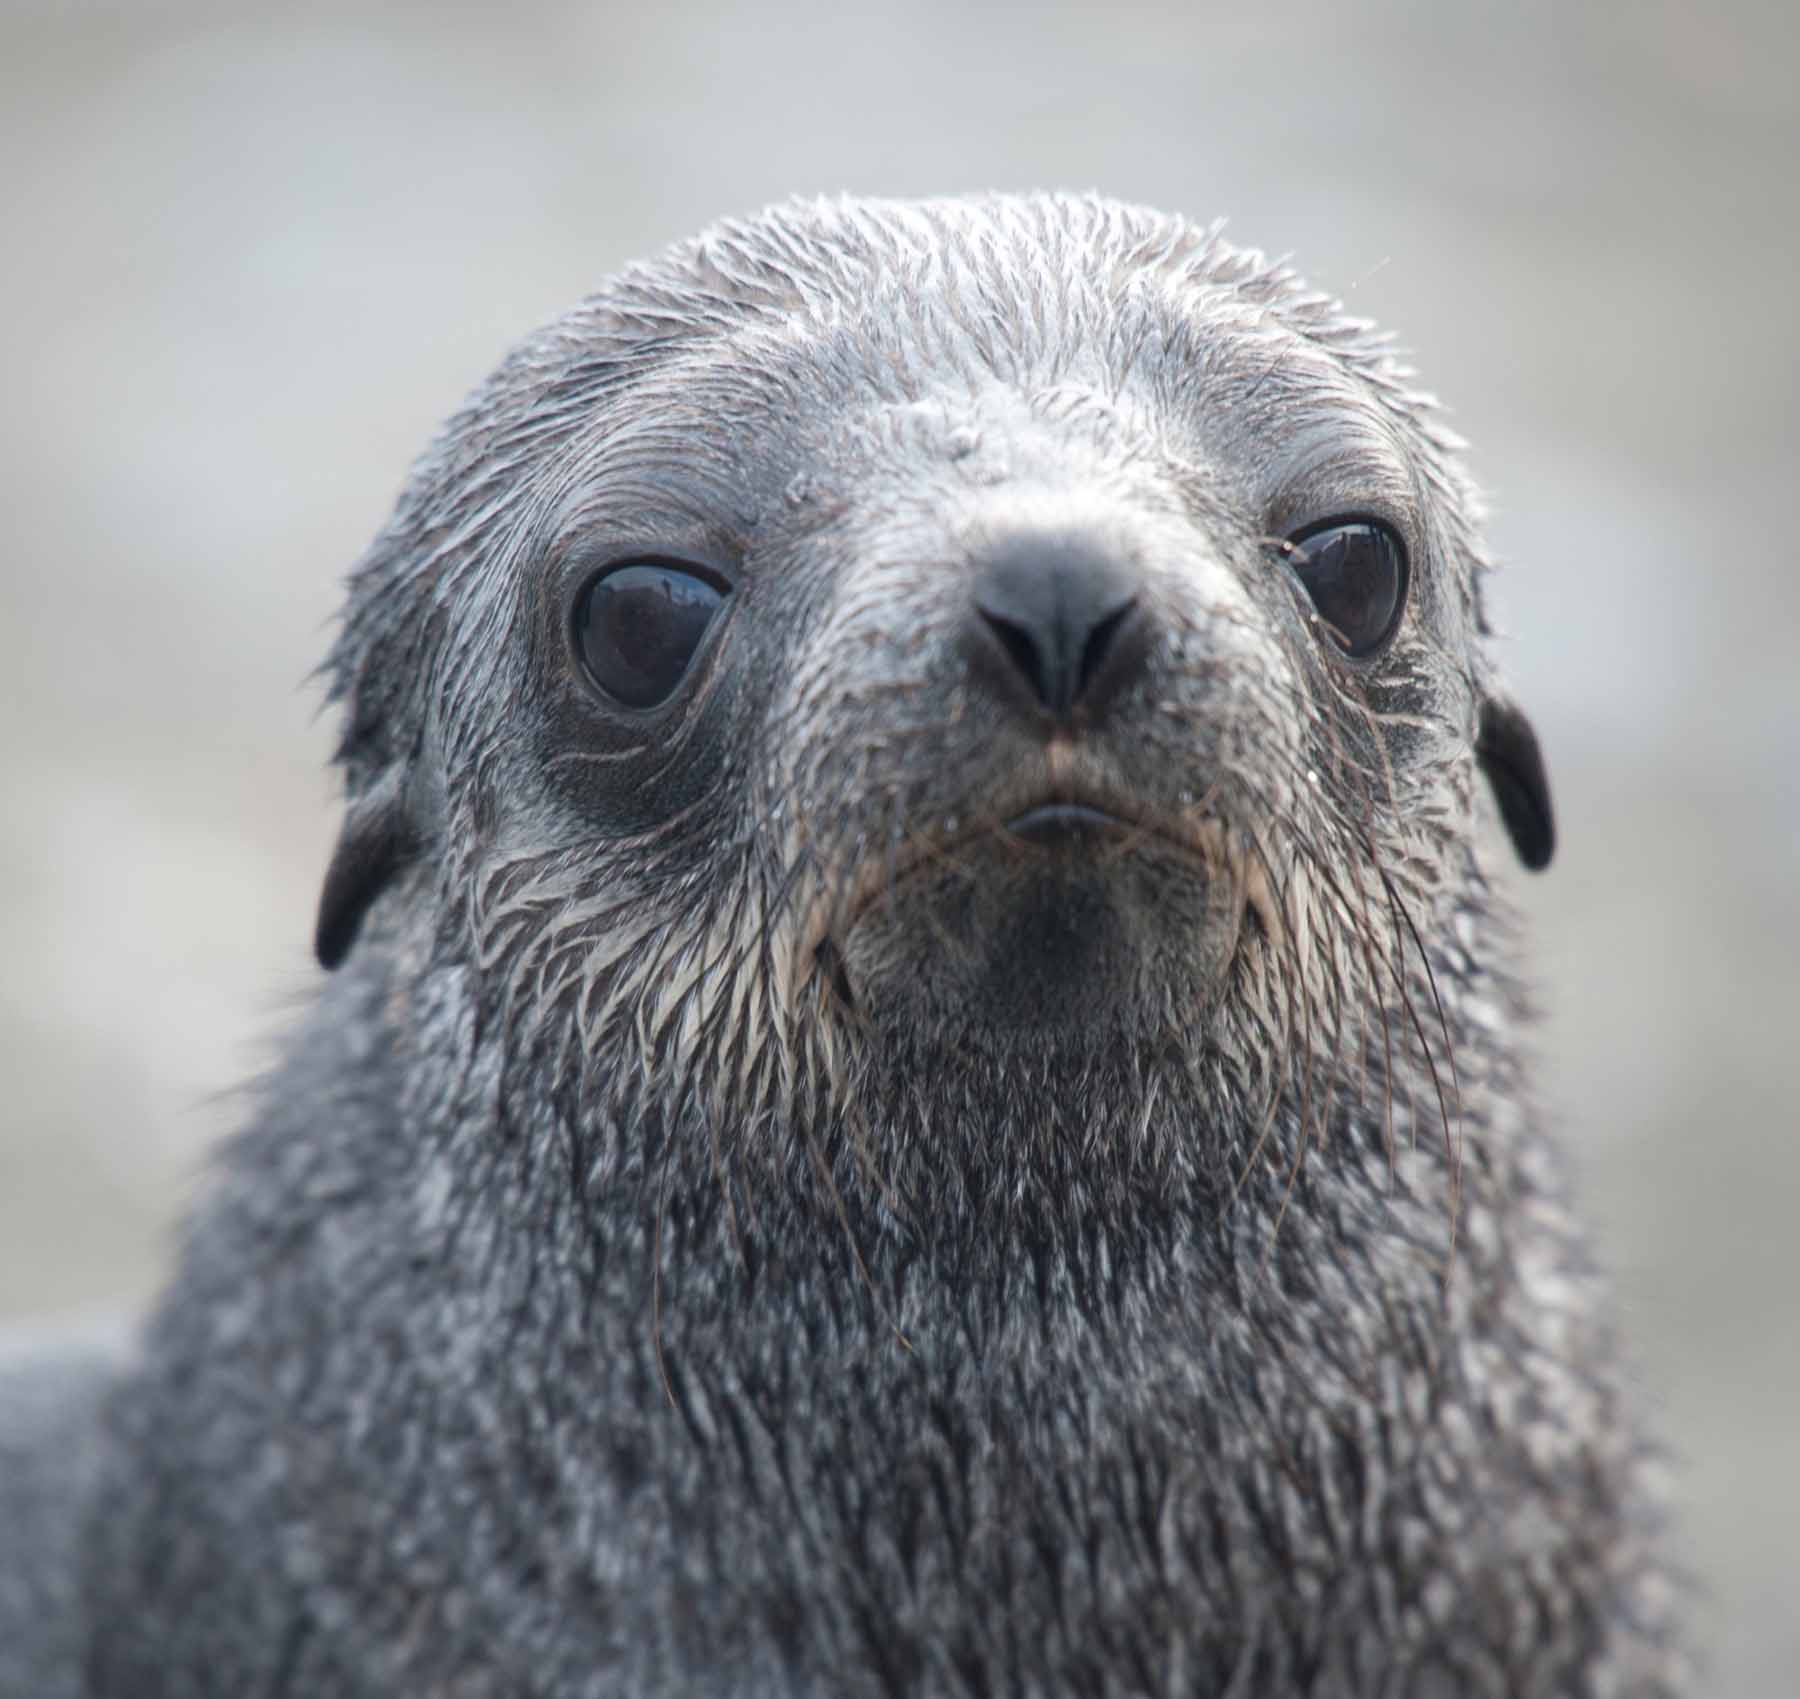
{"x":1065,"y":823}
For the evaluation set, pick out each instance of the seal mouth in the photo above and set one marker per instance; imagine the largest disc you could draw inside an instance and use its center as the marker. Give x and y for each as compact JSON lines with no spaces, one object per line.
{"x":1065,"y":819}
{"x":1062,"y":823}
{"x":1055,"y":884}
{"x":1066,"y":825}
{"x":1057,"y":905}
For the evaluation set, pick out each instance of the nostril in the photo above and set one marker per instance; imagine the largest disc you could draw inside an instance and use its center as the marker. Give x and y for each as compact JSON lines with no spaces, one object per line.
{"x":1061,"y":628}
{"x":1099,"y":641}
{"x":1021,"y":649}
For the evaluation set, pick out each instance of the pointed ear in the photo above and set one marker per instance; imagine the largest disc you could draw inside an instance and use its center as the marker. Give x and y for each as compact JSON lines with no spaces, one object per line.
{"x":1507,"y":748}
{"x":377,"y":841}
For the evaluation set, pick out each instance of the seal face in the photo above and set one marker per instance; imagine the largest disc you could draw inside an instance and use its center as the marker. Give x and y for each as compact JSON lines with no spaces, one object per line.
{"x":1035,"y":631}
{"x":923,"y":1096}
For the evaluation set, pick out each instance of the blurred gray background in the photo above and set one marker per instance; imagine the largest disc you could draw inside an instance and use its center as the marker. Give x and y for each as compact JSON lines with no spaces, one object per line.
{"x":255,"y":254}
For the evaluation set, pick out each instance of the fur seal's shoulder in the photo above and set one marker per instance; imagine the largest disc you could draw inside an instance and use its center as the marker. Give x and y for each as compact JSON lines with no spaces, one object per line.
{"x":52,"y":1392}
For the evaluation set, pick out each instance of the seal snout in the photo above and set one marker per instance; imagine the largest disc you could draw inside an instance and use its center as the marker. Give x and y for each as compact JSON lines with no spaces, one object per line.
{"x":1057,"y":628}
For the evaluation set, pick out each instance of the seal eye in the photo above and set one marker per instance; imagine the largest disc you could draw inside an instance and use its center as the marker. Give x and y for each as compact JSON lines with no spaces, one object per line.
{"x":637,"y":627}
{"x":1355,"y":571}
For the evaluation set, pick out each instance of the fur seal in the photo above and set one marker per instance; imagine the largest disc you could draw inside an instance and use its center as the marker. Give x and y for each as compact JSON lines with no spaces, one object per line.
{"x":924,"y":1091}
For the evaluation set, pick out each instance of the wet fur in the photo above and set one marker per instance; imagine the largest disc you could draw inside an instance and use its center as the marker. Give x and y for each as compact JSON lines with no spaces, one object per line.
{"x":650,"y":1272}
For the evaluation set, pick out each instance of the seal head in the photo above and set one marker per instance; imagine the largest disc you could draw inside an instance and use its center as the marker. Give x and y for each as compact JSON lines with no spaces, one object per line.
{"x":905,"y":654}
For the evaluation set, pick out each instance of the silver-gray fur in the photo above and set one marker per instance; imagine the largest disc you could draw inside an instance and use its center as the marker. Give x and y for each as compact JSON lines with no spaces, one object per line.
{"x":741,"y":1221}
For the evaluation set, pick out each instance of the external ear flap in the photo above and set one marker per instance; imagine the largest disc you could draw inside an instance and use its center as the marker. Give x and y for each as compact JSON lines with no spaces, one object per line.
{"x":1507,"y":748}
{"x":377,"y":840}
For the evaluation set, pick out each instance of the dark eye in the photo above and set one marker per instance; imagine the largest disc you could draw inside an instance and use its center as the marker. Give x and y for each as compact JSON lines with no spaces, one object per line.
{"x":1355,"y":572}
{"x":637,"y":627}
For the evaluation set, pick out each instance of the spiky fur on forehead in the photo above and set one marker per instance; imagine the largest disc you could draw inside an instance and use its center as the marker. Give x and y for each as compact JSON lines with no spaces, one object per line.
{"x":990,"y":280}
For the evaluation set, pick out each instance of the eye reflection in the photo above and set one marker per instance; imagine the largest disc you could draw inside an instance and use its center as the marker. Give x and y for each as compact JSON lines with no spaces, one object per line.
{"x":638,"y":624}
{"x":1355,"y":570}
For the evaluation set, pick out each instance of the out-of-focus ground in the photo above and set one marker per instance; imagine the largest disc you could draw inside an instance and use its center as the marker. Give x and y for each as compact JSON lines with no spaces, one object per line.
{"x":254,"y":255}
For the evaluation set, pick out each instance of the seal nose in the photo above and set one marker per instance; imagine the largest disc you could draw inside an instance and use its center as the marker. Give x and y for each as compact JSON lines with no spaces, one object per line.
{"x":1057,"y":619}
